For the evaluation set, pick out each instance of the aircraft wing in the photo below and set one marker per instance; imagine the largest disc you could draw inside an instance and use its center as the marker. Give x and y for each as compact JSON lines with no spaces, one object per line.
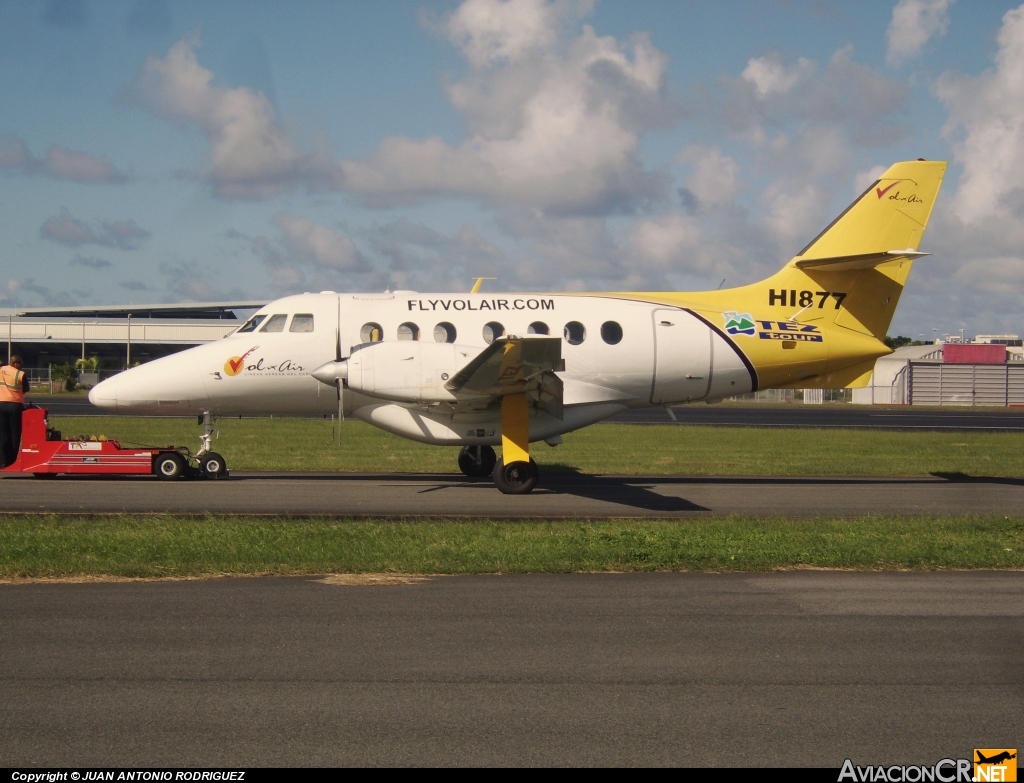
{"x":515,"y":365}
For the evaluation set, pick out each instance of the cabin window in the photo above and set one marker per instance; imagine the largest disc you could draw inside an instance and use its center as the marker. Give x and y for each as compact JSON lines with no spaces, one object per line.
{"x":371,"y":333}
{"x":444,"y":332}
{"x":575,"y":333}
{"x":611,"y":332}
{"x":252,"y":323}
{"x":492,"y":331}
{"x":302,"y":322}
{"x":538,"y":327}
{"x":408,"y":331}
{"x":275,"y":323}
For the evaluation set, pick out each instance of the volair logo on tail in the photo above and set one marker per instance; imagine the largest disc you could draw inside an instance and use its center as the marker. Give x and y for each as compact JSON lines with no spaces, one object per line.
{"x":882,"y":191}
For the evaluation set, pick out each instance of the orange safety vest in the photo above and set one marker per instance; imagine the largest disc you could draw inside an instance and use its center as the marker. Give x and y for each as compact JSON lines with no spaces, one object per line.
{"x":10,"y":384}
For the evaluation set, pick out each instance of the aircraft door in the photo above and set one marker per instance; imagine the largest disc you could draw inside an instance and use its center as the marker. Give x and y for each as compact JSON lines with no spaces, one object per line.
{"x":682,"y":364}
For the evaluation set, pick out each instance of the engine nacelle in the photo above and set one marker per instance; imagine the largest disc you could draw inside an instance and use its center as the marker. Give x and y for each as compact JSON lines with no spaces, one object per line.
{"x":406,"y":371}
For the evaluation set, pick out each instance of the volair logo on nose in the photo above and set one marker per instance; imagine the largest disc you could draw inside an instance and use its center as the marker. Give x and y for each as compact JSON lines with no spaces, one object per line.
{"x":236,"y":364}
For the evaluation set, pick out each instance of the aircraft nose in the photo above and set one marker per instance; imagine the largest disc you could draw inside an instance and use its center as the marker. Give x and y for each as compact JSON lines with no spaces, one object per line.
{"x":171,"y":384}
{"x":104,"y":395}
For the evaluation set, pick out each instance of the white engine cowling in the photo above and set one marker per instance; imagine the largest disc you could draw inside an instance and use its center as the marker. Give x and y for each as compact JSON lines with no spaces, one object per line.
{"x":407,"y":371}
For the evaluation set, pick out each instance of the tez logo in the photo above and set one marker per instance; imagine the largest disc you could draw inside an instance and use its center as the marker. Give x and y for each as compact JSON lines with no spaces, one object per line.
{"x":235,"y":364}
{"x":995,"y":764}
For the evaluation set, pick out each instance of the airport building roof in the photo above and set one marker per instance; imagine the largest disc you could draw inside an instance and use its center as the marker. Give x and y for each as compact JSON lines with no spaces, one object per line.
{"x":115,"y":330}
{"x":178,"y":310}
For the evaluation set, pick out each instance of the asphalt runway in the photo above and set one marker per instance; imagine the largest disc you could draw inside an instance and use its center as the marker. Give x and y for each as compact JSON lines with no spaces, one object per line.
{"x":896,"y":417}
{"x":746,"y":415}
{"x":785,"y":669}
{"x":558,"y":495}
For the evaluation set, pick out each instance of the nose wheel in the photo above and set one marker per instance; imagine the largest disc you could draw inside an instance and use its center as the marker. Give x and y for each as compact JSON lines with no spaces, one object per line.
{"x":477,"y":461}
{"x":211,"y":464}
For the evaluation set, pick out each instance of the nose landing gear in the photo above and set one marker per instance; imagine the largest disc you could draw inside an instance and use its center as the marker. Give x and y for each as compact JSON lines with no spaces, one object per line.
{"x":211,"y":464}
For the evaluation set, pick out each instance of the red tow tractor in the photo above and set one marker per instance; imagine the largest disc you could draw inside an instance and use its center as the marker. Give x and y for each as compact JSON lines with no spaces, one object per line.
{"x":44,"y":454}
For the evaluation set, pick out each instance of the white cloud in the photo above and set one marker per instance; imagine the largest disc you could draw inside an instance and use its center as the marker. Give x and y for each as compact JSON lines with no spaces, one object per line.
{"x":845,"y":94}
{"x":68,"y":230}
{"x":91,"y":262}
{"x":914,"y":23}
{"x":771,"y":76}
{"x":663,"y":239}
{"x":864,"y":179}
{"x":80,"y":166}
{"x":794,"y":214}
{"x":322,"y":245}
{"x":715,"y":176}
{"x":251,"y":155}
{"x":490,"y":32}
{"x":986,"y":114}
{"x":59,"y":163}
{"x":559,"y":129}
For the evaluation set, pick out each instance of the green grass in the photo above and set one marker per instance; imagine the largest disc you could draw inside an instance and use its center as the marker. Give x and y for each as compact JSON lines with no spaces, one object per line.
{"x":306,"y":444}
{"x":182,"y":546}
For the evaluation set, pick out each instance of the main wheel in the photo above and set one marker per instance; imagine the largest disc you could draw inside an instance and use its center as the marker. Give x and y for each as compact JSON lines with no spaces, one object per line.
{"x":213,"y":466}
{"x":516,"y":478}
{"x":169,"y":466}
{"x":477,"y":461}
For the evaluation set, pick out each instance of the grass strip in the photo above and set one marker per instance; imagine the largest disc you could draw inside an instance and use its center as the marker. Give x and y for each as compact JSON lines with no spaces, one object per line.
{"x":193,"y":546}
{"x":308,"y":444}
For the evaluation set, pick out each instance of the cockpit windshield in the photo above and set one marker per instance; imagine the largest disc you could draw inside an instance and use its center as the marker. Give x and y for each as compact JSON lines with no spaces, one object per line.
{"x":251,"y":324}
{"x":275,"y":324}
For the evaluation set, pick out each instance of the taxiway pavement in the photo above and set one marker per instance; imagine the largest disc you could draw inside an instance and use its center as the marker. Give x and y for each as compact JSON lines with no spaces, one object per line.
{"x":842,"y":416}
{"x":784,"y":669}
{"x":558,"y":495}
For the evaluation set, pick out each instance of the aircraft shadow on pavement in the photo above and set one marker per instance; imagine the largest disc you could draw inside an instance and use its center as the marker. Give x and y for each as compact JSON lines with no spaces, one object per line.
{"x":963,"y":478}
{"x":622,"y":490}
{"x":554,"y":480}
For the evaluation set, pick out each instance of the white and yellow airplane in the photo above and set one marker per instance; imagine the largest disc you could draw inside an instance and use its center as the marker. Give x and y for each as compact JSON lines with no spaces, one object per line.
{"x":481,"y":369}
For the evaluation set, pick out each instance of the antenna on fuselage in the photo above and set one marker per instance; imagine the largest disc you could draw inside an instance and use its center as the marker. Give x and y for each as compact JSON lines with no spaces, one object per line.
{"x":479,"y":282}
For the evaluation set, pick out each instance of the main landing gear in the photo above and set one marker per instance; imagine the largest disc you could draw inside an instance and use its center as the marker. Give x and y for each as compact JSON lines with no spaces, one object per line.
{"x":477,"y":461}
{"x":516,"y":472}
{"x":516,"y":478}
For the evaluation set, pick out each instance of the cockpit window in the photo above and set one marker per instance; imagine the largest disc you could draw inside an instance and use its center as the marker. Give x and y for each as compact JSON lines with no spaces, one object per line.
{"x":275,"y":324}
{"x":302,"y":322}
{"x":252,"y":323}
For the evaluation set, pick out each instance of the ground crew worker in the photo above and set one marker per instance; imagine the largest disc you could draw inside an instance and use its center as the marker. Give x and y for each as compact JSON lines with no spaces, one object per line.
{"x":13,"y":385}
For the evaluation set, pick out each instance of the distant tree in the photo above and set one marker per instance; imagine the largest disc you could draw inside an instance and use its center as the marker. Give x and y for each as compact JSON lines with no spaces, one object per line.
{"x":64,"y":372}
{"x":898,"y":342}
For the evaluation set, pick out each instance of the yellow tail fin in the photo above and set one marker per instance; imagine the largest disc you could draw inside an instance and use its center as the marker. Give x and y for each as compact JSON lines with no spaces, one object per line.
{"x":864,"y":256}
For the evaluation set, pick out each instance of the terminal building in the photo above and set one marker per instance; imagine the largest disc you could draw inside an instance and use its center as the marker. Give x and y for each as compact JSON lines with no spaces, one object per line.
{"x":117,"y":336}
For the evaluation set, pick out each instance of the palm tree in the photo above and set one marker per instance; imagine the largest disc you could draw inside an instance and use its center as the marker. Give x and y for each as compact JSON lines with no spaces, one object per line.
{"x":92,"y":364}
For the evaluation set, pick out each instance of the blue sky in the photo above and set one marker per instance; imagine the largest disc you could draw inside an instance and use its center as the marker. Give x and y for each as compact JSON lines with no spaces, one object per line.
{"x":164,"y":151}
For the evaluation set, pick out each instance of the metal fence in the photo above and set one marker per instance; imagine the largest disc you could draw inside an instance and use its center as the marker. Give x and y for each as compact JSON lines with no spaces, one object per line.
{"x":41,"y":378}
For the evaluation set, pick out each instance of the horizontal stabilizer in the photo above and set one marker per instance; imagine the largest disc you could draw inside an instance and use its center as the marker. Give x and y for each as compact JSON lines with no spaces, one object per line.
{"x":860,"y":261}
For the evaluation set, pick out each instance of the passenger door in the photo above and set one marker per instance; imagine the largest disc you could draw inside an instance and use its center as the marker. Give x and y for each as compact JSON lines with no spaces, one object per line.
{"x":682,"y":365}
